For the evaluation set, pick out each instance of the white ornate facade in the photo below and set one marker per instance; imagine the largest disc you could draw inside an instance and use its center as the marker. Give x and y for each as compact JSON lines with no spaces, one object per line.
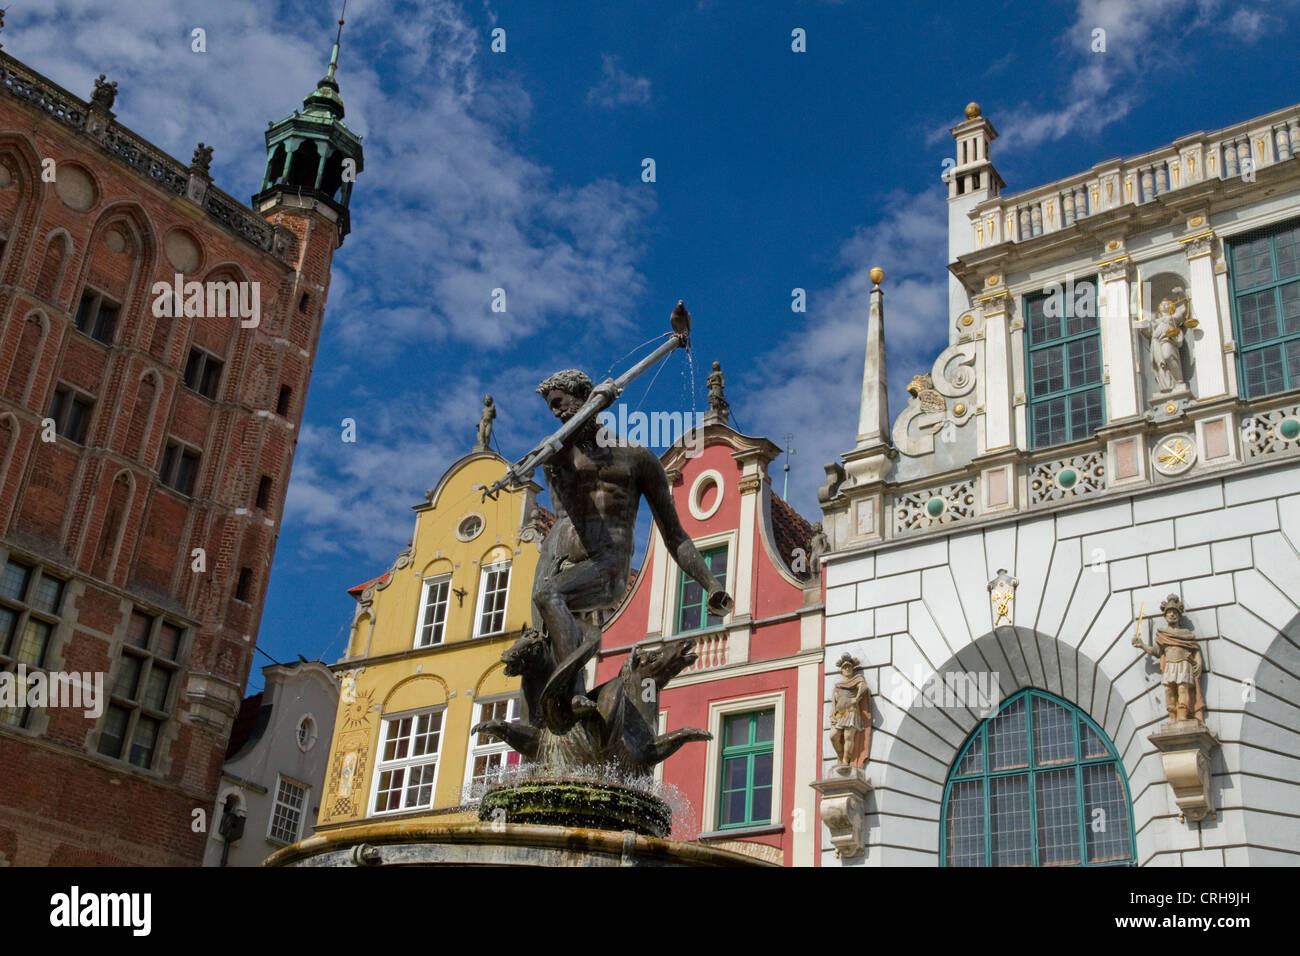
{"x":1116,"y":419}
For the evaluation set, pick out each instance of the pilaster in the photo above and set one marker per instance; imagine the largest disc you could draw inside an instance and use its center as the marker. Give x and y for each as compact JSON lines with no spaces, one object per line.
{"x":1207,"y":340}
{"x":1119,"y":354}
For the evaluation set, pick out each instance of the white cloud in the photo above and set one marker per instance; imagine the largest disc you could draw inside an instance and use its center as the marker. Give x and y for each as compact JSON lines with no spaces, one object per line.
{"x":1141,"y":37}
{"x":808,"y":383}
{"x":1247,"y":25}
{"x":617,"y":87}
{"x":446,"y":209}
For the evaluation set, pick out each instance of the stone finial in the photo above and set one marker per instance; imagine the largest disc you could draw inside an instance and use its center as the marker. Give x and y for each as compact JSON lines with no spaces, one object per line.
{"x":202,"y":161}
{"x":873,"y":417}
{"x":105,"y":93}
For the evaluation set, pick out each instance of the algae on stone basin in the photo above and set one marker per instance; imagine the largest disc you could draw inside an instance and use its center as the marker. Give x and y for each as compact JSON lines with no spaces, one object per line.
{"x":596,"y":805}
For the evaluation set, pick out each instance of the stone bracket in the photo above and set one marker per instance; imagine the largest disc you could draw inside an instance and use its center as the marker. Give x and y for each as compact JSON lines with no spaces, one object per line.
{"x":844,"y":808}
{"x":1185,"y":749}
{"x":213,"y":702}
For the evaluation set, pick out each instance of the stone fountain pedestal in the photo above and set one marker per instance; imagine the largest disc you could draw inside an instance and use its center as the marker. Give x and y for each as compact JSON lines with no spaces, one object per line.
{"x":589,"y":804}
{"x":421,"y":843}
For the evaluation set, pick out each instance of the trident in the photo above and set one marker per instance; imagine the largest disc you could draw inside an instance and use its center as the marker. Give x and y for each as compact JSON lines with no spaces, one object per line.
{"x":522,"y":470}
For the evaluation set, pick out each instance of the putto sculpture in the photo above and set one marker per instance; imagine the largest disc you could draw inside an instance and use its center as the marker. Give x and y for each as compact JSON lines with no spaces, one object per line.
{"x":596,"y":484}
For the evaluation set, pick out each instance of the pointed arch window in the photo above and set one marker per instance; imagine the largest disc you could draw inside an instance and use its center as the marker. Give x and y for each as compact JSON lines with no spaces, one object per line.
{"x":1037,"y":784}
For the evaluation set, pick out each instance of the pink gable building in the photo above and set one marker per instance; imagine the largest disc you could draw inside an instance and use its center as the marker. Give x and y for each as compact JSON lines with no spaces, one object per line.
{"x":757,"y":685}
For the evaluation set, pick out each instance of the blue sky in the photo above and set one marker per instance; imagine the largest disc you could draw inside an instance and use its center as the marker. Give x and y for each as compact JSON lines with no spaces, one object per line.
{"x":522,"y":170}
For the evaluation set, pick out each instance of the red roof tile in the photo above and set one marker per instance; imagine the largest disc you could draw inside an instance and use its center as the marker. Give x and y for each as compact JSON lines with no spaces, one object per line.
{"x":790,"y":529}
{"x":356,"y":590}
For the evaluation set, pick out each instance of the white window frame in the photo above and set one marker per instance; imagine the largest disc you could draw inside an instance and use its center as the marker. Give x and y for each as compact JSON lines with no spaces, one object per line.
{"x":307,"y":721}
{"x":720,"y":709}
{"x":493,"y":747}
{"x":424,"y":607}
{"x":484,"y":571}
{"x":406,"y":763}
{"x":673,"y":582}
{"x":276,"y":802}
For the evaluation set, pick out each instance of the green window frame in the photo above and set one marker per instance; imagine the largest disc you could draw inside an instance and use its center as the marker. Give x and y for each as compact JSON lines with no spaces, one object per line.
{"x":1264,"y":288}
{"x":1063,"y":364}
{"x":745,"y":769}
{"x":692,"y":611}
{"x":1037,"y":784}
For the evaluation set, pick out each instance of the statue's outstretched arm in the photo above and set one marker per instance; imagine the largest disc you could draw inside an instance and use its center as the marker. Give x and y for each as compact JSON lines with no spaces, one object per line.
{"x":654,"y":485}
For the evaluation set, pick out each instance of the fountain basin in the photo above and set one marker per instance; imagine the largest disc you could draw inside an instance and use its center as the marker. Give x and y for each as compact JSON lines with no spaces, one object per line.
{"x":589,"y":804}
{"x":421,"y":843}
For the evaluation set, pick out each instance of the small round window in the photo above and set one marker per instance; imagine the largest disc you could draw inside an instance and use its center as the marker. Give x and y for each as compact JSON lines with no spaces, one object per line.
{"x":306,"y":733}
{"x":470,"y":527}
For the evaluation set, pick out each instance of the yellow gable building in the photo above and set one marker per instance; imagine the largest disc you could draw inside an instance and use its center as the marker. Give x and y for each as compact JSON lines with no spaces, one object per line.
{"x":423,"y":662}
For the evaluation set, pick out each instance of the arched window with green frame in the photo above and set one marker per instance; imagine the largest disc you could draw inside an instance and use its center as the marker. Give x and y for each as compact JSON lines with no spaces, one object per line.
{"x":1037,"y":784}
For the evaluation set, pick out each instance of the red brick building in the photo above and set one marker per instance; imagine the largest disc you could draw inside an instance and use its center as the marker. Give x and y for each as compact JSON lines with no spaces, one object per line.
{"x":757,"y":683}
{"x":144,"y":458}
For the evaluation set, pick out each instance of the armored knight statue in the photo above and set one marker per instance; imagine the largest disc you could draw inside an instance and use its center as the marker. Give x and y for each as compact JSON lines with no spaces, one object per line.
{"x":1180,"y":662}
{"x":850,"y":716}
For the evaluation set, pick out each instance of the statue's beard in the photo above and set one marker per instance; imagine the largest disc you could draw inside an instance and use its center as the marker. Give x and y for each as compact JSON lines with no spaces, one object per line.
{"x":586,"y":435}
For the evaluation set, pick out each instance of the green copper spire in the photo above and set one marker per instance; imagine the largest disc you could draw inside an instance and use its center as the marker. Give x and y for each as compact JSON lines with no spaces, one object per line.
{"x":325,"y":98}
{"x":312,"y":156}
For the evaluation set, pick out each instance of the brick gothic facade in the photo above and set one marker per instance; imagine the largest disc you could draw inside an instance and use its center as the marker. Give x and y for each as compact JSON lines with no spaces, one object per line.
{"x":97,"y":547}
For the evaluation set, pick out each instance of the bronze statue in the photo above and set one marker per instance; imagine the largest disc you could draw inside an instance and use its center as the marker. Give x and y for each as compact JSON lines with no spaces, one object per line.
{"x":597,"y":482}
{"x":485,"y":423}
{"x":850,"y":716}
{"x":1180,"y":662}
{"x":596,"y":487}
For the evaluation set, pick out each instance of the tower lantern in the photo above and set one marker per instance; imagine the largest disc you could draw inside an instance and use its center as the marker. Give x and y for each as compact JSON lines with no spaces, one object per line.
{"x":312,"y":157}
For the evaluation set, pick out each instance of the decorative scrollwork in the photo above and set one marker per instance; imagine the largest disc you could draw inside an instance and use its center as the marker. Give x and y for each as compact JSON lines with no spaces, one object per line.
{"x":1273,"y":432}
{"x":931,"y":507}
{"x":930,"y":408}
{"x":1062,"y":479}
